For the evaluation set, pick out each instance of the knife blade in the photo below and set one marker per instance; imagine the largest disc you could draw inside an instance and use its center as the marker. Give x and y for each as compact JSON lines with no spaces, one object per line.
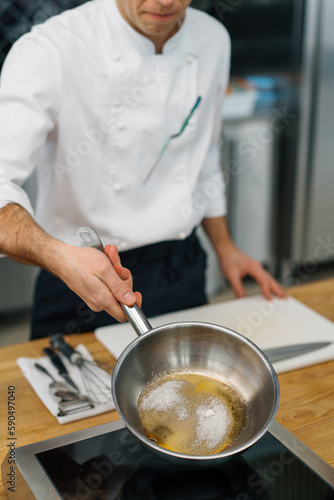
{"x":290,"y":351}
{"x":57,"y":363}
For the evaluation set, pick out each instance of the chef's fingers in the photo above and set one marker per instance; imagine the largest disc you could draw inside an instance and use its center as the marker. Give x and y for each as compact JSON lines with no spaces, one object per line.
{"x":277,"y":289}
{"x":106,"y":300}
{"x":114,"y":308}
{"x":268,"y":284}
{"x":139,"y":298}
{"x":120,"y":288}
{"x":265,"y":287}
{"x":237,"y":284}
{"x":112,"y":252}
{"x":123,"y":272}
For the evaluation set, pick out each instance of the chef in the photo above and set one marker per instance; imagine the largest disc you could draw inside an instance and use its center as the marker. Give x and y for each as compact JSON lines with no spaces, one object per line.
{"x":117,"y":107}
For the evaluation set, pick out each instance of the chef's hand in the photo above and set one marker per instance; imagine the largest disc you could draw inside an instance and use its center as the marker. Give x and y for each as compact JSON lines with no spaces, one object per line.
{"x":236,"y":265}
{"x":100,"y":279}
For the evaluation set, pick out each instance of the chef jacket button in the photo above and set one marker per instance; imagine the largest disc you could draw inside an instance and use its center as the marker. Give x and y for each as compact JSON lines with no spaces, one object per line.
{"x":189,"y":58}
{"x":182,"y":235}
{"x":117,"y":187}
{"x":179,"y":179}
{"x":120,"y":126}
{"x":191,"y":121}
{"x":122,"y":245}
{"x":116,"y":57}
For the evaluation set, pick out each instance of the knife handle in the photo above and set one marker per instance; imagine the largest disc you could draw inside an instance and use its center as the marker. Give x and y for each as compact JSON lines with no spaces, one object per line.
{"x":58,"y":342}
{"x":55,"y":359}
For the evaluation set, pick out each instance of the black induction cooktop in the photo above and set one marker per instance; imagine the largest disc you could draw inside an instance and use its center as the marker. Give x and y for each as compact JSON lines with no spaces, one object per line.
{"x":106,"y":462}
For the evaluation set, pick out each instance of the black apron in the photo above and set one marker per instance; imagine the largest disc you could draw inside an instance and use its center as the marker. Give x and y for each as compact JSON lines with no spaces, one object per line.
{"x":170,"y":275}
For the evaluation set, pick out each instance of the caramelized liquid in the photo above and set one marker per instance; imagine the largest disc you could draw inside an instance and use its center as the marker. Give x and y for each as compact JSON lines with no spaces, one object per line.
{"x":191,"y":413}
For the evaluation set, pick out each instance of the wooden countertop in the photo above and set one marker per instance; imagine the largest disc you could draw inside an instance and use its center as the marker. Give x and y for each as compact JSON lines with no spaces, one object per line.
{"x":306,"y":406}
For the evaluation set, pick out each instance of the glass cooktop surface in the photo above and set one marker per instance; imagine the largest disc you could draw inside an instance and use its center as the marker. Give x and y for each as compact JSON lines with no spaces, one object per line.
{"x":115,"y":466}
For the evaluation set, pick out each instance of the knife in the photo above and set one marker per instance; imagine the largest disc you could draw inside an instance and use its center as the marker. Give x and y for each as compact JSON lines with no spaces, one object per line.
{"x":290,"y":351}
{"x":57,"y":362}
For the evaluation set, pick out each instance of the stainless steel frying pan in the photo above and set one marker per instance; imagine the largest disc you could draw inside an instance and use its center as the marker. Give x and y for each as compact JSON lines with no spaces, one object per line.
{"x":201,"y":347}
{"x":192,"y":346}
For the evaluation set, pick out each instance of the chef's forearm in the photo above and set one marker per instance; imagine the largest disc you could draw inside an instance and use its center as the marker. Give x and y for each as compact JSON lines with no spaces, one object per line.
{"x":217,"y":230}
{"x":101,"y":283}
{"x":24,"y":241}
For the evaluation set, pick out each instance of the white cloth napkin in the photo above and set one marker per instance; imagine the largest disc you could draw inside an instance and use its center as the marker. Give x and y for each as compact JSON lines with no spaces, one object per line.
{"x":40,"y":383}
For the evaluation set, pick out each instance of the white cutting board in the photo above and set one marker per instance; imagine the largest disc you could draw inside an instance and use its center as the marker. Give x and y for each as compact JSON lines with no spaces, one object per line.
{"x":266,"y":323}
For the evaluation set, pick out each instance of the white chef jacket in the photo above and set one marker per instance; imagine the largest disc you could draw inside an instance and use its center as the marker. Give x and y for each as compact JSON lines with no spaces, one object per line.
{"x":86,"y":101}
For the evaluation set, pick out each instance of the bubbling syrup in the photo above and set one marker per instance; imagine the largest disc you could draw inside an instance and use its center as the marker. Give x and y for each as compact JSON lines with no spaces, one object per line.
{"x":192,"y":413}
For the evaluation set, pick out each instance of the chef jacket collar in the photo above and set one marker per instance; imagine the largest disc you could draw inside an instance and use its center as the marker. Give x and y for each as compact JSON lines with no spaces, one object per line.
{"x":179,"y":42}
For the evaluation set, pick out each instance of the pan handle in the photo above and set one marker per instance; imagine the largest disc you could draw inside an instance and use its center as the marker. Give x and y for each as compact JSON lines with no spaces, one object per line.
{"x":88,"y":237}
{"x":137,"y":319}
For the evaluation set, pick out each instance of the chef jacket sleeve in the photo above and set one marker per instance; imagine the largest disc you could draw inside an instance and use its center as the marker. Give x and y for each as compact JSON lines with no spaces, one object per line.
{"x":211,"y":180}
{"x":29,"y":101}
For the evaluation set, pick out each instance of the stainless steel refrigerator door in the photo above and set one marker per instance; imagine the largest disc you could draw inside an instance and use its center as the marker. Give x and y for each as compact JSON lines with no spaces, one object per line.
{"x":313,"y":232}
